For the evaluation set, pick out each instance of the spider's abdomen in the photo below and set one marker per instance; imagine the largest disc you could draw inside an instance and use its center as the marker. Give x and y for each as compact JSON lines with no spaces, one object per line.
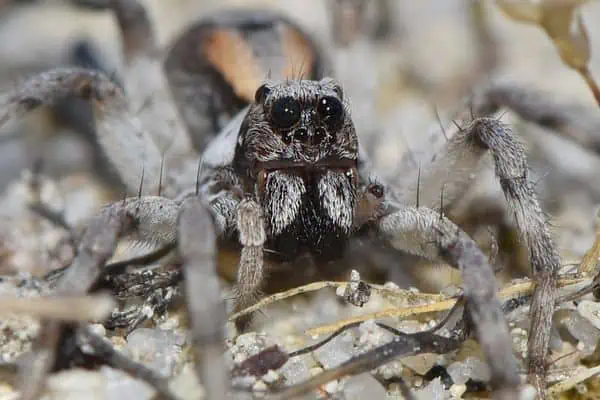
{"x":217,"y":64}
{"x":309,"y":212}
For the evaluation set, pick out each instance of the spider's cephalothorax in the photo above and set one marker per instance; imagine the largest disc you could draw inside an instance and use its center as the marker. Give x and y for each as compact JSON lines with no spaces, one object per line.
{"x":297,"y":152}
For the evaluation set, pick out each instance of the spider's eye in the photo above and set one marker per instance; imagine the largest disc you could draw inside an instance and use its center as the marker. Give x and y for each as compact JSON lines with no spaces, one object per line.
{"x":261,"y":93}
{"x":331,"y":111}
{"x":285,"y":113}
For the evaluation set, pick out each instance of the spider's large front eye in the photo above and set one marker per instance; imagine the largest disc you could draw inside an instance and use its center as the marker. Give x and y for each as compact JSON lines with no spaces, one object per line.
{"x":285,"y":113}
{"x":331,"y":111}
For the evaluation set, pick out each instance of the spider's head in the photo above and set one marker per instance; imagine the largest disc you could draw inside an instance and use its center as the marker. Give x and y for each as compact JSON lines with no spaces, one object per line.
{"x":306,"y":115}
{"x":299,"y":123}
{"x":298,"y":149}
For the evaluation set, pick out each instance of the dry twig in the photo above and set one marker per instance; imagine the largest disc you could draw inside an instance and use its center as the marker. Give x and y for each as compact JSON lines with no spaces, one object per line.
{"x":67,"y":308}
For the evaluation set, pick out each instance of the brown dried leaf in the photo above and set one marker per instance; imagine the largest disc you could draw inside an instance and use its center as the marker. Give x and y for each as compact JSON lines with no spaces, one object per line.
{"x":564,"y":25}
{"x":522,"y":11}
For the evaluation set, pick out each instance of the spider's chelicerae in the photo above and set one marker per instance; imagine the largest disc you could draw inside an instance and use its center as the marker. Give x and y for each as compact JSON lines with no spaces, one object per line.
{"x":285,"y":177}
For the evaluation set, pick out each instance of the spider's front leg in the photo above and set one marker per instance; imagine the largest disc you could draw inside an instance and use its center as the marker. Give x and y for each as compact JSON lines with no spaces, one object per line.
{"x":197,"y":235}
{"x":197,"y":246}
{"x":453,"y":168}
{"x":424,"y":232}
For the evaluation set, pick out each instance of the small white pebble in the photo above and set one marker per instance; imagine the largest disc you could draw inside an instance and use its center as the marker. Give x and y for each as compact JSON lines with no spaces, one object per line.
{"x":387,"y":374}
{"x":271,"y":376}
{"x":331,"y":387}
{"x":70,"y":383}
{"x":528,"y":393}
{"x":393,"y":388}
{"x":98,"y":329}
{"x":259,"y":386}
{"x":23,"y":335}
{"x":580,"y":346}
{"x":591,"y":311}
{"x":418,"y":382}
{"x":118,"y":342}
{"x":581,"y":388}
{"x":87,"y":348}
{"x":340,"y":291}
{"x":516,"y":331}
{"x":169,"y":324}
{"x":458,"y":390}
{"x":245,"y":381}
{"x":315,"y":371}
{"x":451,"y":291}
{"x":516,"y":340}
{"x":240,"y":357}
{"x":391,"y":370}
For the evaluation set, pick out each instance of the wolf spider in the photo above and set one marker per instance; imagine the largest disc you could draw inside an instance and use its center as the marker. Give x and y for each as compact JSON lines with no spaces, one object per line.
{"x":285,"y":177}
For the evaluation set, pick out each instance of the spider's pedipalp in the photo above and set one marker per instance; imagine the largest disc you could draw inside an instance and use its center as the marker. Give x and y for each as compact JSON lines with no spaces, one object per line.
{"x":197,"y":246}
{"x":250,"y":275}
{"x":422,"y":231}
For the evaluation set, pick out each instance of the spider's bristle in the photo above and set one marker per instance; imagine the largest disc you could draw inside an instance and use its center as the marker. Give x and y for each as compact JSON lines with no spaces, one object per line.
{"x":418,"y":184}
{"x":198,"y":176}
{"x":460,"y":129}
{"x":499,"y":118}
{"x":374,"y":180}
{"x":409,"y":150}
{"x":113,"y":75}
{"x":160,"y":177}
{"x":297,"y":47}
{"x":141,"y":182}
{"x":439,"y":119}
{"x":303,"y":64}
{"x":442,"y":202}
{"x":272,"y":251}
{"x":535,"y":183}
